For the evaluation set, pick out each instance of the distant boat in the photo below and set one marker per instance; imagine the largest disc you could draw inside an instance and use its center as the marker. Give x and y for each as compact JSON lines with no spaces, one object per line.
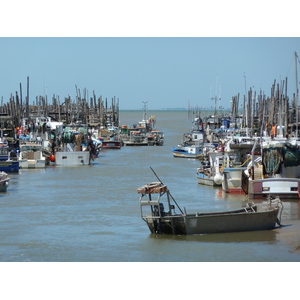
{"x":191,"y":151}
{"x":193,"y":143}
{"x":155,"y":138}
{"x":142,"y":134}
{"x":163,"y":219}
{"x":110,"y":138}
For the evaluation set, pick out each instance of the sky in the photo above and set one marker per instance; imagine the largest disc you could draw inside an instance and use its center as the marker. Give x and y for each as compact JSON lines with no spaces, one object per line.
{"x":167,"y":72}
{"x":165,"y":52}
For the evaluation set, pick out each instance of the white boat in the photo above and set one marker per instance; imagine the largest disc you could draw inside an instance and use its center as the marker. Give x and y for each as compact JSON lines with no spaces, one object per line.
{"x":137,"y":137}
{"x":4,"y":181}
{"x":31,"y":156}
{"x":235,"y":162}
{"x":191,"y":151}
{"x":232,"y":182}
{"x":209,"y":171}
{"x":72,"y":158}
{"x":75,"y":148}
{"x":193,"y":144}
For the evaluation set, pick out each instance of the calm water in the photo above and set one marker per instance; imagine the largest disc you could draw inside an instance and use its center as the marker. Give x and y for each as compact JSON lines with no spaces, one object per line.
{"x":91,"y":214}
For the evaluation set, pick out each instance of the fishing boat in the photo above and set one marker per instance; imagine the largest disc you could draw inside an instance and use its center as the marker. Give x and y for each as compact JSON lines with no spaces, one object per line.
{"x":4,"y":181}
{"x":276,"y":170}
{"x":136,"y":137}
{"x":142,"y":134}
{"x":110,"y":138}
{"x":192,"y":151}
{"x":8,"y":158}
{"x":155,"y":138}
{"x":193,"y":144}
{"x":75,"y":147}
{"x":236,"y":157}
{"x":209,"y":171}
{"x":31,"y":156}
{"x":161,"y":221}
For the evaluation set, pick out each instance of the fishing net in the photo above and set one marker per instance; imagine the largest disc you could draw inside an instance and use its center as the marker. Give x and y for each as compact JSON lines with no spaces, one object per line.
{"x":275,"y":156}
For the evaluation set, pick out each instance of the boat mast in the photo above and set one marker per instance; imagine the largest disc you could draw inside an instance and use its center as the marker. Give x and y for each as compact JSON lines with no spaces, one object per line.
{"x":297,"y":91}
{"x":216,"y":98}
{"x":145,"y":109}
{"x":246,"y":107}
{"x":280,"y":110}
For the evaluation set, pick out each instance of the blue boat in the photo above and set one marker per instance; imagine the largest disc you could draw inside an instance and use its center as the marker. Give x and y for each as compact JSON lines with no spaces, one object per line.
{"x":9,"y":162}
{"x":191,"y":151}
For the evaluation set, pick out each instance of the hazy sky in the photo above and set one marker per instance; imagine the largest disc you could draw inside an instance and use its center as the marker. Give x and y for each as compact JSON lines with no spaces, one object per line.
{"x":162,"y":52}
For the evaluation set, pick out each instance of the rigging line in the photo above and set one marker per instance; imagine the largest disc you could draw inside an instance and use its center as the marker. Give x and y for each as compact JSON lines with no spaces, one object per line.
{"x":169,"y":191}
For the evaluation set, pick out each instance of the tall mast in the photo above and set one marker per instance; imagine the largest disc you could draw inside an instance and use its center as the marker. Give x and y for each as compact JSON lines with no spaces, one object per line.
{"x":145,"y":109}
{"x":246,"y":106}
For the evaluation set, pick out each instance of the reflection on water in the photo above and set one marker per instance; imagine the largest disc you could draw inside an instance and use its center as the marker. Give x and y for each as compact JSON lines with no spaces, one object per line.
{"x":268,"y":236}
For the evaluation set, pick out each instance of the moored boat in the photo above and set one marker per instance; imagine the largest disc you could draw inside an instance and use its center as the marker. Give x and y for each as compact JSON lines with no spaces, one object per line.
{"x":235,"y":162}
{"x":161,"y":221}
{"x":110,"y":138}
{"x":192,"y":151}
{"x":4,"y":181}
{"x":193,"y":144}
{"x":209,"y":171}
{"x":155,"y":138}
{"x":142,"y":134}
{"x":232,"y":179}
{"x":8,"y":159}
{"x":277,"y":170}
{"x":75,"y":147}
{"x":31,"y":156}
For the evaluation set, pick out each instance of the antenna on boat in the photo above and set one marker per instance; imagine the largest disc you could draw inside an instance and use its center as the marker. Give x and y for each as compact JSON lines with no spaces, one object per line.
{"x":169,"y":191}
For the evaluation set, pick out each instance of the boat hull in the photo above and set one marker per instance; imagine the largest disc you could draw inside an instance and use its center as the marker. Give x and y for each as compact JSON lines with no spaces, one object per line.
{"x":32,"y":163}
{"x":203,"y":180}
{"x":283,"y":187}
{"x":70,"y":159}
{"x":186,"y":154}
{"x":132,"y":143}
{"x":235,"y":221}
{"x":9,"y":166}
{"x":232,"y":182}
{"x":111,"y":144}
{"x":4,"y":185}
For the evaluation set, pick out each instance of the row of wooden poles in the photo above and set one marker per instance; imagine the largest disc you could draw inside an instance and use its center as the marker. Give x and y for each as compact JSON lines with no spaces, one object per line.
{"x":260,"y":111}
{"x":89,"y":110}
